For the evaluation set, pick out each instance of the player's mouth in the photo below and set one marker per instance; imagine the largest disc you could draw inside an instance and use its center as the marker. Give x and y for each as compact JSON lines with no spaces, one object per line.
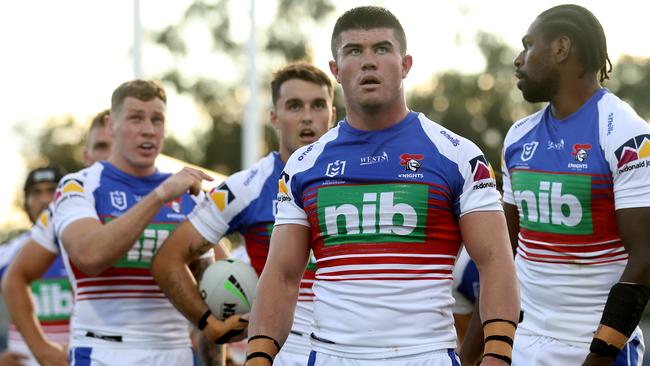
{"x":521,"y":76}
{"x":307,"y":135}
{"x":147,"y":147}
{"x":369,"y":82}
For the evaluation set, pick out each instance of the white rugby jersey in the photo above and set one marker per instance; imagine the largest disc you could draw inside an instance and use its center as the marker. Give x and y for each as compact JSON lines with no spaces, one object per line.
{"x":567,"y":178}
{"x":246,"y":203}
{"x":383,"y":209}
{"x":122,"y":306}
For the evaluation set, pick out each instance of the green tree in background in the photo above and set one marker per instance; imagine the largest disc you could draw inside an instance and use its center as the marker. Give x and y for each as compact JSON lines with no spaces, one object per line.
{"x":478,"y":106}
{"x":283,"y":40}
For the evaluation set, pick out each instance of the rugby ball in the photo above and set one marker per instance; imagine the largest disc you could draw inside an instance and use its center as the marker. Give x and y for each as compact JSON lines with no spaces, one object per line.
{"x":228,"y":287}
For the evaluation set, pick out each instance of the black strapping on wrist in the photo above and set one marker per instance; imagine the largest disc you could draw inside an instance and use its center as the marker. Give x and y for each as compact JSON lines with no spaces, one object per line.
{"x":261,"y":336}
{"x":499,"y":320}
{"x":500,"y":357}
{"x":203,"y":322}
{"x":260,"y":354}
{"x":601,"y":348}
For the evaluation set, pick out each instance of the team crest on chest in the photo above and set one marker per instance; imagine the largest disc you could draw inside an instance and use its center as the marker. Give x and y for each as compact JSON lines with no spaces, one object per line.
{"x":529,"y":150}
{"x":580,"y":152}
{"x":118,"y":200}
{"x":335,"y":168}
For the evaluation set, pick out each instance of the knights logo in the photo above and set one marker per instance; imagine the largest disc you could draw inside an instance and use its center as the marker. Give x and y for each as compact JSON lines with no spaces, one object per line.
{"x":411,"y":162}
{"x":175,"y":204}
{"x":580,"y":152}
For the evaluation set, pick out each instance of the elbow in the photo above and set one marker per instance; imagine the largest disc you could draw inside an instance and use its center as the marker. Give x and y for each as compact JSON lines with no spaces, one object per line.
{"x":89,"y":264}
{"x":161,"y":263}
{"x":10,"y":281}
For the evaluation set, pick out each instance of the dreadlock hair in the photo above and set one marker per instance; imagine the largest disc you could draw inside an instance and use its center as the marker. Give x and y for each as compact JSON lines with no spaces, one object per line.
{"x":585,"y":31}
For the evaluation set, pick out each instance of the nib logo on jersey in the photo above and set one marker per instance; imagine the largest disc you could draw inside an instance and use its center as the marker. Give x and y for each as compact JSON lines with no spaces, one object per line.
{"x":221,"y":196}
{"x":411,"y":163}
{"x":53,"y":299}
{"x":372,"y":213}
{"x":632,"y":150}
{"x":554,"y":203}
{"x":482,"y":170}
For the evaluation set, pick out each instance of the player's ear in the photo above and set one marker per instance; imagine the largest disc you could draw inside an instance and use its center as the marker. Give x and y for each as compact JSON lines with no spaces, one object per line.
{"x":334,"y":68}
{"x":273,"y":117}
{"x":562,"y":48}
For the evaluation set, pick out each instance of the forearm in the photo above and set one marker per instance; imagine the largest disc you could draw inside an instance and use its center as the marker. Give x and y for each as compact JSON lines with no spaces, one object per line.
{"x":177,"y":282}
{"x":20,"y":305}
{"x":499,"y":297}
{"x":274,"y":306}
{"x":96,"y":250}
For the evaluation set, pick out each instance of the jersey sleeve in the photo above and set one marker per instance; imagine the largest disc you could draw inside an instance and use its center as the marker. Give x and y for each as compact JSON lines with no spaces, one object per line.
{"x":74,"y":200}
{"x":479,"y":187}
{"x":508,"y":196}
{"x":218,"y":214}
{"x":290,"y":207}
{"x":43,"y":232}
{"x":626,"y":145}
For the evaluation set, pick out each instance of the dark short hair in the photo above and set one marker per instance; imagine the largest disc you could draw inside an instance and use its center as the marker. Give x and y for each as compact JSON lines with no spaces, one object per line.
{"x":302,"y":71}
{"x":367,"y":17}
{"x":48,"y":173}
{"x":144,"y":90}
{"x":585,"y":31}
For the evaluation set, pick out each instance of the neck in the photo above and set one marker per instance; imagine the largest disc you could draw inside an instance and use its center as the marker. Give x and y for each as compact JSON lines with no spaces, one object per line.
{"x":131,"y":169}
{"x":284,"y":153}
{"x":572,"y":95}
{"x":379,"y":118}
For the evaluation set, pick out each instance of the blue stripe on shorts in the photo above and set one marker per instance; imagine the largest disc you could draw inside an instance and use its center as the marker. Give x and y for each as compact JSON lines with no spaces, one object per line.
{"x":452,"y":355}
{"x":629,"y":356}
{"x":80,"y":356}
{"x":312,"y":358}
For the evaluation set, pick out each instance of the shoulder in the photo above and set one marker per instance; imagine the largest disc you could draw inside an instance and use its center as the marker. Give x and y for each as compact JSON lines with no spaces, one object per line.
{"x":305,"y":157}
{"x":522,"y":127}
{"x":451,"y":145}
{"x":616,"y":116}
{"x":79,"y":183}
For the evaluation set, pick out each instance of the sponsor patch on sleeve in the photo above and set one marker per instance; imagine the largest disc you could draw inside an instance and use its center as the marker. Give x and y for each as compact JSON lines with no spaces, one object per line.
{"x":221,"y":196}
{"x":482,"y":171}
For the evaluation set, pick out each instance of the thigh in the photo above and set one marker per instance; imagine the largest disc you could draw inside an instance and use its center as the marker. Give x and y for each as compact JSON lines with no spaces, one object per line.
{"x":98,"y":356}
{"x":289,"y":358}
{"x":442,"y":358}
{"x":532,"y":350}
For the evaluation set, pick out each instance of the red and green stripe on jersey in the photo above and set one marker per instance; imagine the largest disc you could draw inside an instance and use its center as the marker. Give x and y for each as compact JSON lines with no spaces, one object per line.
{"x":393,"y":231}
{"x":566,"y":217}
{"x":130,"y":277}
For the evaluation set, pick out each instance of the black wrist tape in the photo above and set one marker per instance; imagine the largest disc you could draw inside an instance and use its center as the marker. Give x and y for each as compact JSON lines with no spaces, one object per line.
{"x":261,"y":336}
{"x":203,"y":322}
{"x":500,"y":357}
{"x":260,"y":354}
{"x":601,"y":348}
